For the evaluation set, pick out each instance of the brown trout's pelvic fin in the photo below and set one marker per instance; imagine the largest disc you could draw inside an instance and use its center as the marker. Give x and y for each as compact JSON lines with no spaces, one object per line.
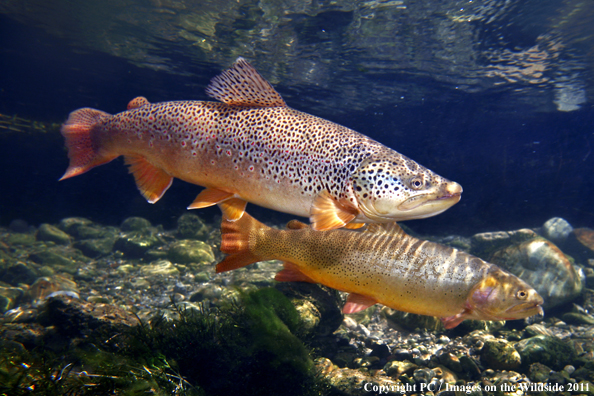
{"x":152,"y":182}
{"x":82,"y":151}
{"x":231,"y":206}
{"x":137,"y":102}
{"x":354,"y":226}
{"x":235,"y":241}
{"x":328,"y":213}
{"x":291,"y":273}
{"x":356,"y":303}
{"x":242,"y":85}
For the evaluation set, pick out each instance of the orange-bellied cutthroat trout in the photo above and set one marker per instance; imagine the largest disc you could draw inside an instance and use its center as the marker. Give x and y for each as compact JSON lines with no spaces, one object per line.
{"x":383,"y":265}
{"x":252,"y":147}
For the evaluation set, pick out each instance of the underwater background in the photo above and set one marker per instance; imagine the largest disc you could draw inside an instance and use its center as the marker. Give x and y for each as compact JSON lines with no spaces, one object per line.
{"x":496,"y":95}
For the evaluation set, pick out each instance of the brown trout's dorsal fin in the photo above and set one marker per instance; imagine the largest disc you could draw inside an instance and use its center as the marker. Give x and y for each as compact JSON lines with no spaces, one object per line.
{"x":233,"y":208}
{"x":137,"y":102}
{"x":328,"y":213}
{"x":150,"y":180}
{"x":385,"y":228}
{"x":242,"y":85}
{"x":357,"y":302}
{"x":296,"y":225}
{"x":291,"y":273}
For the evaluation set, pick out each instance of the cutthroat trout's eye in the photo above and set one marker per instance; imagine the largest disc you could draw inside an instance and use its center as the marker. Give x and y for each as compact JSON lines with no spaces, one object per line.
{"x":416,"y":183}
{"x":522,"y":295}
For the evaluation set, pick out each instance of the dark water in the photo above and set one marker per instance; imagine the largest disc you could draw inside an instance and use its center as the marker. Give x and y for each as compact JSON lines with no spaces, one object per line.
{"x":496,"y":97}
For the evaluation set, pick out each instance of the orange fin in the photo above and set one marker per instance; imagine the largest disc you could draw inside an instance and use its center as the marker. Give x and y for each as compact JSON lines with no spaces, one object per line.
{"x":137,"y":102}
{"x":328,"y":213}
{"x":209,"y":197}
{"x":292,"y":273}
{"x":357,"y":302}
{"x":233,"y":208}
{"x":242,"y":85}
{"x":235,"y":241}
{"x":296,"y":225}
{"x":83,"y":151}
{"x":354,"y":226}
{"x":452,"y":321}
{"x":150,"y":180}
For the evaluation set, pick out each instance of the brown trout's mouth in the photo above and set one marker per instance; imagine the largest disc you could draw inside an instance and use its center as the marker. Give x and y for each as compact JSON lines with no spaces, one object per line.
{"x":431,"y":203}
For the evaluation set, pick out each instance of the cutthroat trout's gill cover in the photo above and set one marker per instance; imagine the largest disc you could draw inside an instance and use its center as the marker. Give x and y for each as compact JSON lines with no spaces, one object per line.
{"x":253,"y":148}
{"x":384,"y":265}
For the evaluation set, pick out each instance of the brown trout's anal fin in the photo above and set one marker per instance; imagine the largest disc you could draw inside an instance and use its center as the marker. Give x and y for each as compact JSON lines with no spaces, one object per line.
{"x":242,"y":85}
{"x":233,"y":208}
{"x":209,"y":197}
{"x":328,"y":213}
{"x":137,"y":102}
{"x":354,"y":226}
{"x":150,"y":180}
{"x":357,"y":302}
{"x":83,"y":151}
{"x":235,"y":241}
{"x":291,"y":273}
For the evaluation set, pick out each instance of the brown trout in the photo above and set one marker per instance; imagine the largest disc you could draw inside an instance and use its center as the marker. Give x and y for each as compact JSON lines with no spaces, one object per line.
{"x":252,"y":147}
{"x":383,"y":265}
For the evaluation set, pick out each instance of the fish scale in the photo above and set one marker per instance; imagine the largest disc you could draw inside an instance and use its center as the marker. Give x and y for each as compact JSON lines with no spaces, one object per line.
{"x":252,"y":147}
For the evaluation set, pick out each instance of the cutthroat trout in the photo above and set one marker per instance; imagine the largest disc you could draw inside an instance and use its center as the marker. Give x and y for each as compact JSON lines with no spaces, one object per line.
{"x":253,"y":148}
{"x":383,"y":265}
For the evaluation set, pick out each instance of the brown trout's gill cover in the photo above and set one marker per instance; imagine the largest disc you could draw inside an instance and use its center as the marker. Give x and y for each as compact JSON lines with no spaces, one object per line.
{"x":253,"y":148}
{"x":383,"y":265}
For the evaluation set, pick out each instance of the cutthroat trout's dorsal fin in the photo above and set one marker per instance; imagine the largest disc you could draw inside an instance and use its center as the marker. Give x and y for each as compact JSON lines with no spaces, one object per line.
{"x":137,"y":102}
{"x":385,"y":228}
{"x":328,"y":213}
{"x":242,"y":85}
{"x":150,"y":180}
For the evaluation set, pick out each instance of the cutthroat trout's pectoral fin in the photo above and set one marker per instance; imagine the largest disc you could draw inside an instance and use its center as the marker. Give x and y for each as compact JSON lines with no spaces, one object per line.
{"x":291,"y":273}
{"x":328,"y":213}
{"x":242,"y":85}
{"x":452,"y":321}
{"x":357,"y":302}
{"x":150,"y":180}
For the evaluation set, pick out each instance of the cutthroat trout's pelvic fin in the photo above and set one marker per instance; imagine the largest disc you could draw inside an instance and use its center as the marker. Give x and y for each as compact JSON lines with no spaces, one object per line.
{"x":242,"y":85}
{"x":83,"y":151}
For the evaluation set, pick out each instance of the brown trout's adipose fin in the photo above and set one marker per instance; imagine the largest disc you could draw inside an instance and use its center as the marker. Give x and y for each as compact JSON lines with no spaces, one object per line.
{"x":356,"y":303}
{"x":82,"y":151}
{"x":242,"y":85}
{"x":291,"y":273}
{"x":137,"y":102}
{"x":152,"y":182}
{"x":329,"y":214}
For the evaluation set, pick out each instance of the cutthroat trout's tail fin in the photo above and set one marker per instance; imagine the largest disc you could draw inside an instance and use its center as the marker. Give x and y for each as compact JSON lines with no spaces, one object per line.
{"x":235,"y":242}
{"x":83,"y":152}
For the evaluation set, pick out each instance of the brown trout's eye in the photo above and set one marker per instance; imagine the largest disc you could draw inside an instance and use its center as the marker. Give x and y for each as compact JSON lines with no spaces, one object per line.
{"x":521,"y":295}
{"x":416,"y":183}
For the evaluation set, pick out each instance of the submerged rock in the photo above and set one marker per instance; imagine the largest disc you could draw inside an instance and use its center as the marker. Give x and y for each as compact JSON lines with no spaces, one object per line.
{"x":548,"y":350}
{"x":44,"y":287}
{"x":484,"y":244}
{"x":135,"y":224}
{"x":134,"y":244}
{"x":190,"y":226}
{"x":543,"y":266}
{"x":190,"y":251}
{"x":557,"y":230}
{"x":580,"y":244}
{"x":500,"y":355}
{"x":47,"y":232}
{"x":9,"y":297}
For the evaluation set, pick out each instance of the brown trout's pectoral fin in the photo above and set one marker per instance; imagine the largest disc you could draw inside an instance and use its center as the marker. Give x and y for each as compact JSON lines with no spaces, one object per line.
{"x":452,"y":321}
{"x":296,"y":225}
{"x":233,"y":208}
{"x":291,"y":273}
{"x":150,"y":180}
{"x":209,"y":197}
{"x":328,"y":213}
{"x":137,"y":102}
{"x":356,"y":303}
{"x":242,"y":85}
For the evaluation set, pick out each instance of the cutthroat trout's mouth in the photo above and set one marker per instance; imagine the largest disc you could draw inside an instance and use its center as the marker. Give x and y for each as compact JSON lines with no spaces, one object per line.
{"x":524,"y":310}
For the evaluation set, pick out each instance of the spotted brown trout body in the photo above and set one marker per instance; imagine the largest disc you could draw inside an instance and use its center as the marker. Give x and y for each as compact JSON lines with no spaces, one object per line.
{"x":251,"y":147}
{"x":383,"y":265}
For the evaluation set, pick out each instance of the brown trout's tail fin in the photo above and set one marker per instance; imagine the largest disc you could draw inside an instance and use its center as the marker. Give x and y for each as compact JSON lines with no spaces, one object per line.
{"x":235,"y":242}
{"x":83,"y":152}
